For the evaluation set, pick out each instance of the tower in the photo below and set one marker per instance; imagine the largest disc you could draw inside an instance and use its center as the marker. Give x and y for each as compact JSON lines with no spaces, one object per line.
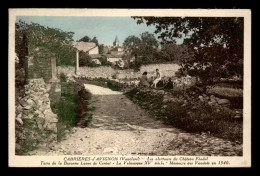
{"x":116,"y":42}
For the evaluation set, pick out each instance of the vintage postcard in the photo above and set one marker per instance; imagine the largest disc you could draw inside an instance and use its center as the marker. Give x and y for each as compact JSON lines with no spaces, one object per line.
{"x":129,"y":88}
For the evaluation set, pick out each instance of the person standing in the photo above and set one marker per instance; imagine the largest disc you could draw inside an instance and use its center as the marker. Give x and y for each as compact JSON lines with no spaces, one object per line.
{"x":157,"y":79}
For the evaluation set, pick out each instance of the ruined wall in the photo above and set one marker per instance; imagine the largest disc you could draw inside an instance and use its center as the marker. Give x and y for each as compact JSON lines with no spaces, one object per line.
{"x":39,"y":64}
{"x":39,"y":120}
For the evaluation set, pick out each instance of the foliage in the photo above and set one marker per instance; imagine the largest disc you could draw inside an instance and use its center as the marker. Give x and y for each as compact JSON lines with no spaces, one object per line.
{"x":84,"y":39}
{"x":144,"y":50}
{"x":217,"y":42}
{"x":101,"y":49}
{"x":188,"y":113}
{"x":94,"y":40}
{"x":55,"y":40}
{"x":176,"y":53}
{"x":131,"y":41}
{"x":84,"y":59}
{"x":104,"y":61}
{"x":149,"y":39}
{"x":21,"y":42}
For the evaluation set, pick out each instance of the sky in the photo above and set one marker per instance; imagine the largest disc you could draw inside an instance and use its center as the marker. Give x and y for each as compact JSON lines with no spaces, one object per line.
{"x":104,"y":28}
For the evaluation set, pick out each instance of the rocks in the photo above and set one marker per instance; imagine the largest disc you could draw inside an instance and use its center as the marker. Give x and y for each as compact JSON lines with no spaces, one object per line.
{"x":38,"y":114}
{"x":19,"y":119}
{"x":223,"y":101}
{"x":201,"y":98}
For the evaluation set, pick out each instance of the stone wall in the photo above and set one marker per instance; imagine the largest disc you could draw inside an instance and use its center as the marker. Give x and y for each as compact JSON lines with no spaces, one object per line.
{"x":38,"y":119}
{"x":167,"y":70}
{"x":102,"y":71}
{"x":39,"y":64}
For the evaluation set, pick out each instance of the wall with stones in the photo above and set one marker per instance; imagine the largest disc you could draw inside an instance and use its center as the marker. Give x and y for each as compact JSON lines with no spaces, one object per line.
{"x":38,"y":119}
{"x":39,"y":64}
{"x":102,"y":71}
{"x":167,"y":70}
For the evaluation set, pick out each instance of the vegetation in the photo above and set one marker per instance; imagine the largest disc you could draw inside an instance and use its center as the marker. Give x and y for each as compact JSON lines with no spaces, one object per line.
{"x":73,"y":109}
{"x":84,"y":39}
{"x":190,"y":114}
{"x":55,"y":40}
{"x":145,"y":51}
{"x":217,"y":43}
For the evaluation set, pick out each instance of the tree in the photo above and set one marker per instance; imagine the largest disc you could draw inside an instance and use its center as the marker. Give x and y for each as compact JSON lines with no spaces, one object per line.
{"x":217,"y":42}
{"x":101,"y":49}
{"x":84,"y":39}
{"x":175,"y":53}
{"x":94,"y":40}
{"x":131,"y":41}
{"x":54,"y":40}
{"x":149,"y":40}
{"x":144,"y":50}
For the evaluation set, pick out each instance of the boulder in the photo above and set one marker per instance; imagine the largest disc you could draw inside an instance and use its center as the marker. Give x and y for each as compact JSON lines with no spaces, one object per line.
{"x":223,"y":101}
{"x":19,"y":119}
{"x":22,"y":102}
{"x":201,"y":98}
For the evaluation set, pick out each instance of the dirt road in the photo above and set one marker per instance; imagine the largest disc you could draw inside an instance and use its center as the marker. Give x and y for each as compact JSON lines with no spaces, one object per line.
{"x":120,"y":127}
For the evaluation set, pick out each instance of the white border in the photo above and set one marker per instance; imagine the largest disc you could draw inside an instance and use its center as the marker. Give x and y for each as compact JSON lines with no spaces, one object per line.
{"x":34,"y":161}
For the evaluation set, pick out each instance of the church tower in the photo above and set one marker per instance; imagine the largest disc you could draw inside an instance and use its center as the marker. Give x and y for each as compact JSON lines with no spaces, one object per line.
{"x":116,"y":42}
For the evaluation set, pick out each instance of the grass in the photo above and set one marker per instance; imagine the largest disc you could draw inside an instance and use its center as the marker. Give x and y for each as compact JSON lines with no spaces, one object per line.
{"x":73,"y":107}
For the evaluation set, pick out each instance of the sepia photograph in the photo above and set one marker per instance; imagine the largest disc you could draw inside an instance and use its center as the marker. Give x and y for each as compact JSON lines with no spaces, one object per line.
{"x":129,"y":88}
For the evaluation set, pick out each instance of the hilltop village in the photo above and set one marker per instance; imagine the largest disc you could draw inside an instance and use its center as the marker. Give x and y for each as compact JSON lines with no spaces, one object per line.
{"x":112,"y":54}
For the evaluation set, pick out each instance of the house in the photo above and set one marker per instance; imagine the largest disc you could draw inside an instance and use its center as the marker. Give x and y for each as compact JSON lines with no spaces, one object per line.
{"x":88,"y":47}
{"x":115,"y":60}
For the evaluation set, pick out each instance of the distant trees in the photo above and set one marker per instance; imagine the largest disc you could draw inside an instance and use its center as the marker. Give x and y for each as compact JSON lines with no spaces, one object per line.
{"x":94,"y":40}
{"x":101,"y":49}
{"x":217,"y":43}
{"x":175,"y":53}
{"x":145,"y":50}
{"x":131,"y":41}
{"x":149,"y":40}
{"x":84,"y":39}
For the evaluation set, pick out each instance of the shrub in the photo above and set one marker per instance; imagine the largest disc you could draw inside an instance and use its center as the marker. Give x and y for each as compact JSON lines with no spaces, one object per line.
{"x":188,"y":113}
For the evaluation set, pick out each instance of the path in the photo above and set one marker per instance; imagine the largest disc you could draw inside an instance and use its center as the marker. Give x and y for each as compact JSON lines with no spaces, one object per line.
{"x":120,"y":127}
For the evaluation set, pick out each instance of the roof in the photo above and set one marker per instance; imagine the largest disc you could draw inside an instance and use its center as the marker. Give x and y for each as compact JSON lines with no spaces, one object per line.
{"x":95,"y":56}
{"x":84,"y":46}
{"x":112,"y":56}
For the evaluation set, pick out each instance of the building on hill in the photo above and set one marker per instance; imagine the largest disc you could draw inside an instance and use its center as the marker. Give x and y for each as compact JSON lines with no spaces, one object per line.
{"x":88,"y":47}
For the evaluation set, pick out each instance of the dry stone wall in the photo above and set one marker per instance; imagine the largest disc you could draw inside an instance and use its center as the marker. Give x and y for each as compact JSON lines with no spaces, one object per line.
{"x":167,"y":70}
{"x":39,"y":120}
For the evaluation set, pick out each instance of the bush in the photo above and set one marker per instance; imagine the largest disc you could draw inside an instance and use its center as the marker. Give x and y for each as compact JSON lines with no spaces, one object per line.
{"x":84,"y":59}
{"x":188,"y":113}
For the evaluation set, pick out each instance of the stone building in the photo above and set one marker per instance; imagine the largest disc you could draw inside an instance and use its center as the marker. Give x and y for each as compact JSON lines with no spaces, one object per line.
{"x":88,"y":47}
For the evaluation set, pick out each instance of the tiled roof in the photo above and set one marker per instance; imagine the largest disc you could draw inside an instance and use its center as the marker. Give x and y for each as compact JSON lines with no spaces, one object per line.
{"x":84,"y":46}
